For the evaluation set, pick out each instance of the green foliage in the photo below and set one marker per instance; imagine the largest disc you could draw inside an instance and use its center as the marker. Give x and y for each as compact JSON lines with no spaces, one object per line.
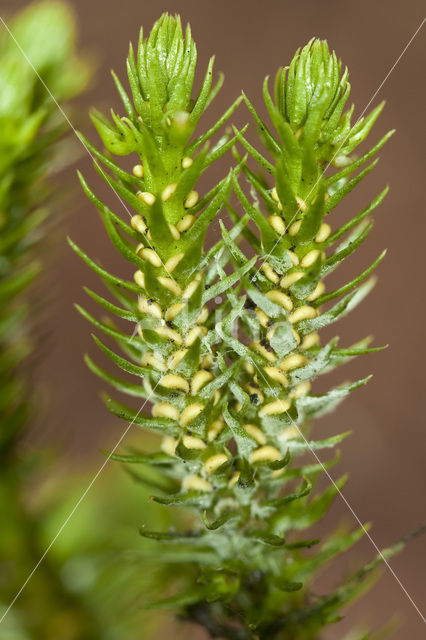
{"x":226,"y":344}
{"x":29,"y":125}
{"x":30,"y":144}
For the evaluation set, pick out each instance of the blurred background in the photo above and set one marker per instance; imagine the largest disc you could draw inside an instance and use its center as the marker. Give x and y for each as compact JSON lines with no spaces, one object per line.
{"x":385,"y":454}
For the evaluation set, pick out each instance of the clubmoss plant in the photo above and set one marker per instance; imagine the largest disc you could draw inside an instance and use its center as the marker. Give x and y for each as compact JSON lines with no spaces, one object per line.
{"x":227,"y":345}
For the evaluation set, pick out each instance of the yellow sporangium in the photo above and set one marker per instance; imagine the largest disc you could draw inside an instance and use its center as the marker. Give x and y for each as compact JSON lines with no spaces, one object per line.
{"x":192,"y":442}
{"x":323,"y":233}
{"x":295,"y":228}
{"x":303,"y":312}
{"x":200,"y":379}
{"x":255,"y":432}
{"x":277,"y":224}
{"x":190,"y":413}
{"x":214,"y":462}
{"x":274,"y":408}
{"x":310,"y":340}
{"x":309,"y":258}
{"x":262,"y":317}
{"x":169,"y":334}
{"x":275,"y":374}
{"x":191,"y":200}
{"x":293,"y":257}
{"x":265,"y":454}
{"x":215,"y":428}
{"x":317,"y":292}
{"x":196,"y":483}
{"x":165,"y":410}
{"x":173,"y":311}
{"x":150,"y":360}
{"x":168,"y":445}
{"x":138,"y":224}
{"x":146,"y":197}
{"x":139,"y":278}
{"x":151,"y":256}
{"x":190,"y":289}
{"x":291,"y":278}
{"x":263,"y":351}
{"x":173,"y":381}
{"x":168,"y":191}
{"x":277,"y":296}
{"x":186,"y":222}
{"x":293,"y":361}
{"x":148,"y":305}
{"x":186,"y":162}
{"x":174,"y":231}
{"x":138,"y":171}
{"x":270,"y":273}
{"x":170,"y":284}
{"x":193,"y":334}
{"x":300,"y":390}
{"x":176,"y":358}
{"x":173,"y":262}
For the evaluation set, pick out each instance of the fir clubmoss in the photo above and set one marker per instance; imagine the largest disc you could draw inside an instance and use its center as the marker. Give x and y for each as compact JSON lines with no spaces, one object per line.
{"x":226,"y":345}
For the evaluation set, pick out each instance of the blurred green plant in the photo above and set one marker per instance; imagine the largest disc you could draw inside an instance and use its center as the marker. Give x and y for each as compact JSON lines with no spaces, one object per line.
{"x":29,"y":125}
{"x":31,"y":144}
{"x":96,"y":576}
{"x":227,"y":344}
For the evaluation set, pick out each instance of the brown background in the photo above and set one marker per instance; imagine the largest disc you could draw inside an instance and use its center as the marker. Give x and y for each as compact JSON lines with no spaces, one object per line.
{"x":385,"y":455}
